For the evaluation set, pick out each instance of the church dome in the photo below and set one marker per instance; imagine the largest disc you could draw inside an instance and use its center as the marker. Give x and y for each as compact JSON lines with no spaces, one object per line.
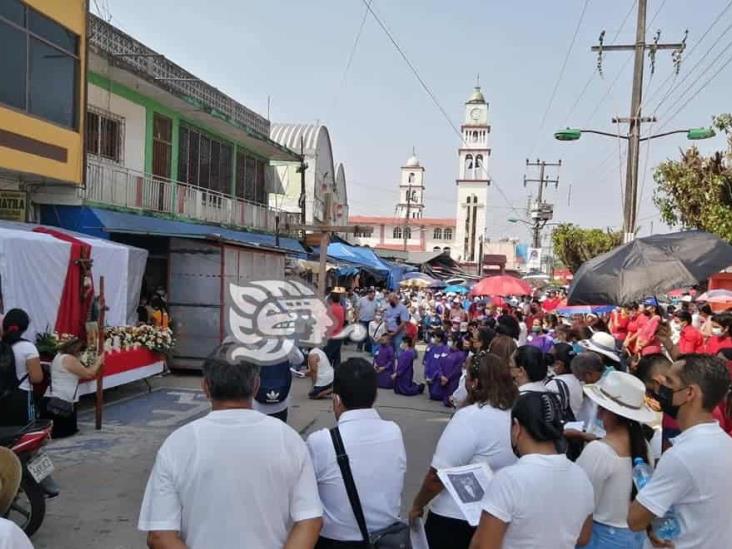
{"x":412,"y":162}
{"x":476,"y":96}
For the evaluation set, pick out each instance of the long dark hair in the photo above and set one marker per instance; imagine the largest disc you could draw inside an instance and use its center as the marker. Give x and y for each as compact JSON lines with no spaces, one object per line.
{"x":533,"y":361}
{"x":638,"y":438}
{"x":15,"y":322}
{"x":494,"y":385}
{"x":540,"y":415}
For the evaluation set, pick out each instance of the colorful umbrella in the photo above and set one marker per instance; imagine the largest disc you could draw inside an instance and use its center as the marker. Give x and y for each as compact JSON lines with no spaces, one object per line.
{"x":716,"y":296}
{"x":455,"y":289}
{"x":501,"y":286}
{"x":584,"y":310}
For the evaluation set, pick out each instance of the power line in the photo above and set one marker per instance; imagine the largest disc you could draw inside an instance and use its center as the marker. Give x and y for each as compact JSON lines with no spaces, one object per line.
{"x":691,"y":51}
{"x":595,"y":72}
{"x":560,"y":75}
{"x":352,"y":53}
{"x":427,"y":89}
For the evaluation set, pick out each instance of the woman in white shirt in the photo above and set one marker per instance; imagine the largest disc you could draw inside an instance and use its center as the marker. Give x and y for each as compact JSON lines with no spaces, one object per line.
{"x":477,"y":433}
{"x":609,"y":462}
{"x":17,"y":406}
{"x":544,"y":500}
{"x":67,"y":372}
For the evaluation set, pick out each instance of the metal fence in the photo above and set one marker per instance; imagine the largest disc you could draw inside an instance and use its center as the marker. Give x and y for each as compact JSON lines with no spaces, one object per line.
{"x":114,"y":185}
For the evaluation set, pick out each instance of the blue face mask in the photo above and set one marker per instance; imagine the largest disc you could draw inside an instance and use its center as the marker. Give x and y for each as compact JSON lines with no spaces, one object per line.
{"x":577,"y":348}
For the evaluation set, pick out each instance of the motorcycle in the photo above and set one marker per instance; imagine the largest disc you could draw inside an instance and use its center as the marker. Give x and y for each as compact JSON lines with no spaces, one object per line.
{"x":29,"y":507}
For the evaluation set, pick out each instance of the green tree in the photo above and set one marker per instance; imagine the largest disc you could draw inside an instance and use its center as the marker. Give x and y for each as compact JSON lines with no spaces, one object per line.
{"x":574,"y":245}
{"x":695,"y":192}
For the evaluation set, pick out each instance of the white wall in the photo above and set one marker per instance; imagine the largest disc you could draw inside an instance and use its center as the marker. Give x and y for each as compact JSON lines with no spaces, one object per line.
{"x":466,"y":189}
{"x":134,"y":118}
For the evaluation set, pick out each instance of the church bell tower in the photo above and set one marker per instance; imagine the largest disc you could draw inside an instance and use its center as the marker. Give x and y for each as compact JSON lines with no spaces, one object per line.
{"x":473,"y":180}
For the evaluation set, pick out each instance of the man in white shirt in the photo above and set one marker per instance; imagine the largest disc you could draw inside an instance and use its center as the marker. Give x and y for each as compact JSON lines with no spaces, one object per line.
{"x":367,"y":307}
{"x":376,"y":455}
{"x":321,"y":372}
{"x":693,"y":476}
{"x":234,"y":478}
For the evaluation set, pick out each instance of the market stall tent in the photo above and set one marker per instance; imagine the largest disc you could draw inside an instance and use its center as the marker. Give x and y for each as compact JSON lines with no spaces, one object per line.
{"x":33,"y":270}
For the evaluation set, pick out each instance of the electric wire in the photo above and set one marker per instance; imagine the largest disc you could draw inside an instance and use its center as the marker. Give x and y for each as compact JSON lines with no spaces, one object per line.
{"x":427,"y":89}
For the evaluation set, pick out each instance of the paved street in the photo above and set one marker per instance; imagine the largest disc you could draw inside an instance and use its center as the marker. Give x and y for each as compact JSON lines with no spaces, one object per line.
{"x":103,"y":474}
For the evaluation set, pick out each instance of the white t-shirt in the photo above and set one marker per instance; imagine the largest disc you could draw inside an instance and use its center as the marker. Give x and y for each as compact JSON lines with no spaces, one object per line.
{"x":378,"y":461}
{"x":475,"y":434}
{"x":576,"y":393}
{"x":234,"y":478}
{"x":23,"y":351}
{"x":612,"y":479}
{"x":12,"y":537}
{"x":325,"y":370}
{"x":694,"y":477}
{"x":544,"y":499}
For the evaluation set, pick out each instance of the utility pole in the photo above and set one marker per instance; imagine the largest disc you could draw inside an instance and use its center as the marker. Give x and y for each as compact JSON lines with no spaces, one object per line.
{"x":635,"y":119}
{"x":540,"y":211}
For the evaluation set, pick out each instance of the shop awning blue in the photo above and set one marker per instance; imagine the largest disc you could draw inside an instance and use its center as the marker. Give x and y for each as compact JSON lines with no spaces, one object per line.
{"x":100,"y":223}
{"x":354,"y":255}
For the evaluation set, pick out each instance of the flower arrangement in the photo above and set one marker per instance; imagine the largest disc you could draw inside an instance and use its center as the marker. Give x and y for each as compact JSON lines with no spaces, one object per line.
{"x":158,"y":340}
{"x":47,"y":343}
{"x":117,"y":338}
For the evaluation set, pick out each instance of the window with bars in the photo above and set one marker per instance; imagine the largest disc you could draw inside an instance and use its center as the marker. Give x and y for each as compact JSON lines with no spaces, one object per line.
{"x":205,"y":161}
{"x":447,"y":234}
{"x":105,"y":135}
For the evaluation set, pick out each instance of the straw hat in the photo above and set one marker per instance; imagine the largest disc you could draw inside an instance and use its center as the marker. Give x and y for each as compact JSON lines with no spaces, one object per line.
{"x":338,"y":290}
{"x":10,"y":475}
{"x":603,"y":343}
{"x":622,"y":394}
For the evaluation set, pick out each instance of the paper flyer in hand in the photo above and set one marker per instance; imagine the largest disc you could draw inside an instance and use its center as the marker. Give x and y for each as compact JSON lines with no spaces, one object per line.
{"x":467,"y":485}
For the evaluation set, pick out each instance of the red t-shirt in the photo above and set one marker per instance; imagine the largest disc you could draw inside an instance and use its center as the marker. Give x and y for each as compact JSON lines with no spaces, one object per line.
{"x":339,"y":318}
{"x":691,"y":341}
{"x":717,"y":343}
{"x":621,"y":325}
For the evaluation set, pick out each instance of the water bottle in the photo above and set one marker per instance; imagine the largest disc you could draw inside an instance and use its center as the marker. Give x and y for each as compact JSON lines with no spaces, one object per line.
{"x":642,"y":473}
{"x":667,"y":527}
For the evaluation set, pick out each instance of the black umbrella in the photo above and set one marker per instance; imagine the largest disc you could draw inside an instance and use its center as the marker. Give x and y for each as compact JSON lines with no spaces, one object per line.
{"x":649,"y":266}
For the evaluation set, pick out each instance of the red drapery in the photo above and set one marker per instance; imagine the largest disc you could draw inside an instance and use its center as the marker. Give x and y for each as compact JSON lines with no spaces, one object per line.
{"x":75,"y":300}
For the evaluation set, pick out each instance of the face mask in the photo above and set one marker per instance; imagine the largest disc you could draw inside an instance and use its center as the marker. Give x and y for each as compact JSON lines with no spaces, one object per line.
{"x":451,"y":344}
{"x":536,"y":329}
{"x":403,"y":346}
{"x":392,"y":304}
{"x":433,"y":340}
{"x":717,"y":331}
{"x":665,"y":398}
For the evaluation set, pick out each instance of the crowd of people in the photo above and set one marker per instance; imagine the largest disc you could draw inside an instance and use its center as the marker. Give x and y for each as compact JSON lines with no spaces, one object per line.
{"x":600,"y":431}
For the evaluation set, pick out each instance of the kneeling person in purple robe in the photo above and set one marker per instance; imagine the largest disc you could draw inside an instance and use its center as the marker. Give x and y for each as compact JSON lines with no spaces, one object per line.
{"x":384,"y":362}
{"x":404,"y":376}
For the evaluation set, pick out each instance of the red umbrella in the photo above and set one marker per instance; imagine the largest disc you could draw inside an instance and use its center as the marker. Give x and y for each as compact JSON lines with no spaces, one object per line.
{"x":501,"y":286}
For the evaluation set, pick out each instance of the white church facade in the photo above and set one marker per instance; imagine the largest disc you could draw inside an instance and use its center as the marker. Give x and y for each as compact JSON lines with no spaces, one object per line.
{"x":462,"y":236}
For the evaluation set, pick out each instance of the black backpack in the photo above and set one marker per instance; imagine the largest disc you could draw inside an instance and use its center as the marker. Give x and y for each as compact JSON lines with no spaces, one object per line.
{"x":276,"y":381}
{"x":8,"y":378}
{"x":573,"y":447}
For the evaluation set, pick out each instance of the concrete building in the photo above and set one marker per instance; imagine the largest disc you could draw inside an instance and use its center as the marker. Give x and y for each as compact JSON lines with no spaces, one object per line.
{"x":42,"y":102}
{"x":322,"y":174}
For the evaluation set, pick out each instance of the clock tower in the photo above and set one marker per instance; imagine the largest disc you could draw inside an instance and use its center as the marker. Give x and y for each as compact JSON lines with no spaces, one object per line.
{"x":473,"y":179}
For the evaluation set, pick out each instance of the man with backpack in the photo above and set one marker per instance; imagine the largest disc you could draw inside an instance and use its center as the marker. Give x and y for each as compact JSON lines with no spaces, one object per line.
{"x":273,"y":396}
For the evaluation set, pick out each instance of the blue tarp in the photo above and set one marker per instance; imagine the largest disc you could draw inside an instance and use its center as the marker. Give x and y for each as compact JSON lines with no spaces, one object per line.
{"x":362,"y":257}
{"x":100,"y":223}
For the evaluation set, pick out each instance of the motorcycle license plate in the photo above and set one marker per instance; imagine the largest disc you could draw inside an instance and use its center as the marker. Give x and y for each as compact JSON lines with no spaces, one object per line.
{"x":40,"y":467}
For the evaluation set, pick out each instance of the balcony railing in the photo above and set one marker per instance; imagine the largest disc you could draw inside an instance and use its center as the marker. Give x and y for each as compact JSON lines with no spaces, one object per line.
{"x":119,"y":186}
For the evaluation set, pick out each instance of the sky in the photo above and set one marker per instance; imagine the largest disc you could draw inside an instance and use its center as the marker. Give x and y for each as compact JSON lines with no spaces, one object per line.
{"x":295,"y":54}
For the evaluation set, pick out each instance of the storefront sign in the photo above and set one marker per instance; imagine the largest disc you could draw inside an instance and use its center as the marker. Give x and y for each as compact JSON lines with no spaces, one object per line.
{"x":12,"y":205}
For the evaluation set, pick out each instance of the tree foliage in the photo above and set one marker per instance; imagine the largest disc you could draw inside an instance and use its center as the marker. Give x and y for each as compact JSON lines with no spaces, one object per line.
{"x":574,"y":245}
{"x":695,"y":192}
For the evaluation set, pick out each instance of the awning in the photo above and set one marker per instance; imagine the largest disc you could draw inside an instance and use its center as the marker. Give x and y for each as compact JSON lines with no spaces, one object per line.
{"x":100,"y":223}
{"x":364,"y":257}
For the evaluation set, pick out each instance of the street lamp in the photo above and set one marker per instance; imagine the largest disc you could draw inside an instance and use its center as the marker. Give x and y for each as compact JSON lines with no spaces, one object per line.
{"x":693,"y":134}
{"x":631,"y":181}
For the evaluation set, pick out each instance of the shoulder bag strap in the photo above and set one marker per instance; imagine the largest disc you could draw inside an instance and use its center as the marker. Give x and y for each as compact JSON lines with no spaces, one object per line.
{"x":351,"y":490}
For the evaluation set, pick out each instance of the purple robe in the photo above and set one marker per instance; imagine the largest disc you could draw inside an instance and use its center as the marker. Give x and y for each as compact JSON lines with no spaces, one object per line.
{"x":431,"y":358}
{"x":384,"y":358}
{"x":404,"y":384}
{"x":444,"y":366}
{"x":542,"y":342}
{"x":452,"y":371}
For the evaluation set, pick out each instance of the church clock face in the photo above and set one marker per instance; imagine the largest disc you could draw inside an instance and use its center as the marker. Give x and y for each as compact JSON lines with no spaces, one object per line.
{"x":475,"y":114}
